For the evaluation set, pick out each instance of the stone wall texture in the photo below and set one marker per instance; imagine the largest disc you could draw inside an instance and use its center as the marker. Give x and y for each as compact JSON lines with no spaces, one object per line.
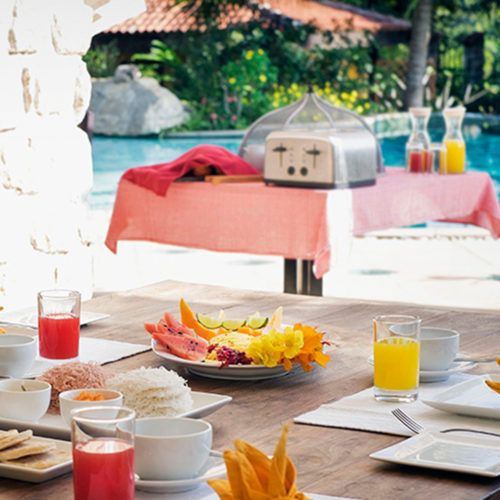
{"x":45,"y":159}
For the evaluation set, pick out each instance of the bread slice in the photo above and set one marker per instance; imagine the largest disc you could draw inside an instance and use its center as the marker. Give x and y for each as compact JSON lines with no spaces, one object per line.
{"x":33,"y":447}
{"x":13,"y":437}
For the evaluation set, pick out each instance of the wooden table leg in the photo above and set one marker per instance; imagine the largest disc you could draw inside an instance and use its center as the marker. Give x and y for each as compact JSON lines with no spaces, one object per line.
{"x":310,"y":285}
{"x":299,"y":278}
{"x":290,"y":276}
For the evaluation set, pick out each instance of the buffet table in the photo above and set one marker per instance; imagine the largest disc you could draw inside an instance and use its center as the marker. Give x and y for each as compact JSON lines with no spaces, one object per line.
{"x":310,"y":228}
{"x":329,"y":460}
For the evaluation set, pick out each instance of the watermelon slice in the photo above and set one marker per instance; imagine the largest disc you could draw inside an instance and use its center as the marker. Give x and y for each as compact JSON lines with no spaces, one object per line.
{"x":178,"y":338}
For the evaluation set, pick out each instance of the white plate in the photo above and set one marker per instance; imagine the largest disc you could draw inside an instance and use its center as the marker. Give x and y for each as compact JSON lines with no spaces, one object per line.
{"x":475,"y":455}
{"x":214,"y":468}
{"x":439,"y":376}
{"x":213,"y":369}
{"x":472,"y":397}
{"x":29,"y":317}
{"x":50,"y":425}
{"x":38,"y":475}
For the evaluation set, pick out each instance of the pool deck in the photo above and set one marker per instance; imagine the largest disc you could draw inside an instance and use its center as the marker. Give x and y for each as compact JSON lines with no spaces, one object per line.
{"x":440,"y":265}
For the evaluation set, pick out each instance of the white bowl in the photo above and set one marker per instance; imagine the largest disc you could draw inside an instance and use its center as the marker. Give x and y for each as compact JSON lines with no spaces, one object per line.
{"x":171,"y":448}
{"x":438,"y":348}
{"x":68,"y":403}
{"x":29,"y":404}
{"x":17,"y":354}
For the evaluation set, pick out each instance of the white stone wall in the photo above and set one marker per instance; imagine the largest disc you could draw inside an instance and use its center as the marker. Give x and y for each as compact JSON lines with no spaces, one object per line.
{"x":45,"y":159}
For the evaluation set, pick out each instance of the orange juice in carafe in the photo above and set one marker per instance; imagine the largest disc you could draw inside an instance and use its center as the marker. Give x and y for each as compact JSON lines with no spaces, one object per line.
{"x":454,"y":140}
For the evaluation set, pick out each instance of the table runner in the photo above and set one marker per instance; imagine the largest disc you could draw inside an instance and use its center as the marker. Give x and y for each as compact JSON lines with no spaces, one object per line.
{"x":101,"y":351}
{"x":361,"y":412}
{"x":297,"y":223}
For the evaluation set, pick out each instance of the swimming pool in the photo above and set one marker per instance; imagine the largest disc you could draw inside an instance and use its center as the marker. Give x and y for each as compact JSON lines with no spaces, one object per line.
{"x":112,"y":156}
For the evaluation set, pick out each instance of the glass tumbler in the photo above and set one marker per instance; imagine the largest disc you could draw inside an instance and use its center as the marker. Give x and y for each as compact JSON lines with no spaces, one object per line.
{"x":103,"y":453}
{"x":59,"y":323}
{"x":396,"y":352}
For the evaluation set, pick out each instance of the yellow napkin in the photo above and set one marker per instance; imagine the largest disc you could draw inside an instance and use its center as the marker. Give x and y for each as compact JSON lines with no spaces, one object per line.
{"x":254,"y":476}
{"x":494,"y":385}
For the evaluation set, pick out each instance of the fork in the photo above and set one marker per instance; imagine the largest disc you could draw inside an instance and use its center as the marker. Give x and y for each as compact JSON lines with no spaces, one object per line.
{"x":417,"y":428}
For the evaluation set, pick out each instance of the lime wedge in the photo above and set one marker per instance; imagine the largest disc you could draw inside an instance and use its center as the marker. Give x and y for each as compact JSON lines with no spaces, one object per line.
{"x":208,"y":322}
{"x":233,"y":324}
{"x":257,"y":322}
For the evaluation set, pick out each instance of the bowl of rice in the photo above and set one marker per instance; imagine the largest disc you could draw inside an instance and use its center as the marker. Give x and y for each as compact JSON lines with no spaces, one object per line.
{"x":85,"y":398}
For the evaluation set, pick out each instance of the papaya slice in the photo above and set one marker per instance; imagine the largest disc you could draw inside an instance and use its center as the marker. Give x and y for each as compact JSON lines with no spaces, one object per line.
{"x":189,"y":319}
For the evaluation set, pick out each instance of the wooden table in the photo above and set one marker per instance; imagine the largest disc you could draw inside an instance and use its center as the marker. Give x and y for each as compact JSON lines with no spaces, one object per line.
{"x":329,"y":460}
{"x":309,"y":228}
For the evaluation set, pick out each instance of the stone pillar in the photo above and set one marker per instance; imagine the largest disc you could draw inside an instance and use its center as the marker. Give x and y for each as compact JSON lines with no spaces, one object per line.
{"x":45,"y":159}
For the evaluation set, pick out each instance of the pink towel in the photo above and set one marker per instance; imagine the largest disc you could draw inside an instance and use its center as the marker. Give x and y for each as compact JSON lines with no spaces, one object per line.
{"x":157,"y":178}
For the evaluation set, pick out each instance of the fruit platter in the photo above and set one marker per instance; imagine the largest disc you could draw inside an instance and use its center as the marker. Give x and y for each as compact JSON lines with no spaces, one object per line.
{"x":256,"y":347}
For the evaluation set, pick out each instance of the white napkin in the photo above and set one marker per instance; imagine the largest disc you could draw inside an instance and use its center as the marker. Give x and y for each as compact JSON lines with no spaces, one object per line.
{"x":361,"y":411}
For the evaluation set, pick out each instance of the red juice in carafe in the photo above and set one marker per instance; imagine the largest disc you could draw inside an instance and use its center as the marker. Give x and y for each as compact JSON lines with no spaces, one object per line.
{"x":59,"y":335}
{"x":103,"y":469}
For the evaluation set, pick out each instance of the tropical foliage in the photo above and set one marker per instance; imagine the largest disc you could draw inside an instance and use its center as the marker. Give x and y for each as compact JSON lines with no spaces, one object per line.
{"x":229,"y":78}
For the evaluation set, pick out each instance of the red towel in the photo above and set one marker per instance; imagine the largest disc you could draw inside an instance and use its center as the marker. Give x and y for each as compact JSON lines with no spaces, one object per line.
{"x":157,"y":178}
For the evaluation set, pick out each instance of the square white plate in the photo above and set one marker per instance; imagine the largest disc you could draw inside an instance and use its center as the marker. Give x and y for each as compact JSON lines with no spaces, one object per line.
{"x":472,"y":397}
{"x":29,"y":317}
{"x":33,"y":475}
{"x":51,"y":425}
{"x":474,"y":455}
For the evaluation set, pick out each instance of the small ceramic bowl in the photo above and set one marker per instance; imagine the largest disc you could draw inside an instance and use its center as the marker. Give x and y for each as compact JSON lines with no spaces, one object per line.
{"x":17,"y":354}
{"x":24,"y":399}
{"x":68,"y":403}
{"x":171,"y":448}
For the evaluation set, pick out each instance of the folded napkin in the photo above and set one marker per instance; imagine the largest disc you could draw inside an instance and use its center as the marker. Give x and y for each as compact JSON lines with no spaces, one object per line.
{"x":252,"y":475}
{"x":157,"y":178}
{"x":362,"y":412}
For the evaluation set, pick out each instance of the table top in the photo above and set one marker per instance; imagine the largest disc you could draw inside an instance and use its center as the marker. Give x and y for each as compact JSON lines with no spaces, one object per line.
{"x":329,"y":461}
{"x":297,"y":223}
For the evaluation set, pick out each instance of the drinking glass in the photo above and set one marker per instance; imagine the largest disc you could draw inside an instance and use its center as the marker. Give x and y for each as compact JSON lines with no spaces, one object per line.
{"x":103,"y":452}
{"x":396,"y":353}
{"x":59,"y":323}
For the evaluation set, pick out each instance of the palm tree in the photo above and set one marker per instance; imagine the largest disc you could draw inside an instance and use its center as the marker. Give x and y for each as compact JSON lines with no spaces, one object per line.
{"x":419,"y":45}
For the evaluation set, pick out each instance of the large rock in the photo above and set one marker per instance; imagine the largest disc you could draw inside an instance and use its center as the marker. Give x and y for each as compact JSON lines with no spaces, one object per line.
{"x":128,"y":105}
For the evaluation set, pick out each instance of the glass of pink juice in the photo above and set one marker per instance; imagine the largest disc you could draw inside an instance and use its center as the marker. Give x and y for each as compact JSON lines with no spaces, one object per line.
{"x":103,"y":453}
{"x":59,"y":323}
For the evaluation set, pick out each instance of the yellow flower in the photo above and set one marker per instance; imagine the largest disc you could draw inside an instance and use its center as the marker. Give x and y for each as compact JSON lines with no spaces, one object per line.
{"x":359,"y":109}
{"x":260,"y":52}
{"x":354,"y":93}
{"x":263,"y":78}
{"x":344,"y":96}
{"x":367,"y":105}
{"x":232,"y":80}
{"x":293,"y":342}
{"x":249,"y":55}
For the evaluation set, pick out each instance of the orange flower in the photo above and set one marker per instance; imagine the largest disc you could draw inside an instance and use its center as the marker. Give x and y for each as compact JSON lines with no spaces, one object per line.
{"x":312,"y":350}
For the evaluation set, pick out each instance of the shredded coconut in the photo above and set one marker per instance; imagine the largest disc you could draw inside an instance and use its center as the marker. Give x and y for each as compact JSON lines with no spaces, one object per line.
{"x":72,"y":375}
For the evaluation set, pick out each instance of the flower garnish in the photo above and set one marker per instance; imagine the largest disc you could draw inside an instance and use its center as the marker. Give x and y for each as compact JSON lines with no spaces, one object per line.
{"x":301,"y":344}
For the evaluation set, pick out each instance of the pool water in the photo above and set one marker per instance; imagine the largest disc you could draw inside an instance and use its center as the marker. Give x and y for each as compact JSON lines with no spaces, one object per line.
{"x":112,"y":156}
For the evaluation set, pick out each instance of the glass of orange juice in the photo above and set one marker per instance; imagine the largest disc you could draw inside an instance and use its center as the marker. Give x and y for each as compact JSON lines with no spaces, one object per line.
{"x":396,"y":352}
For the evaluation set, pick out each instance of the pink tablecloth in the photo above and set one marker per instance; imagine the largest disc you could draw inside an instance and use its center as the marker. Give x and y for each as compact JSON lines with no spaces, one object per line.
{"x":293,"y":222}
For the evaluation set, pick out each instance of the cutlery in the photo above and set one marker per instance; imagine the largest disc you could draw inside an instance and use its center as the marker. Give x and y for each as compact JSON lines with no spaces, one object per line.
{"x":480,"y":359}
{"x":417,"y":428}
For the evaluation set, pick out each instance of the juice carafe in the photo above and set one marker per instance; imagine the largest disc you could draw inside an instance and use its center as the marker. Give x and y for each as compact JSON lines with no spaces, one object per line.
{"x":454,"y":140}
{"x":418,"y":142}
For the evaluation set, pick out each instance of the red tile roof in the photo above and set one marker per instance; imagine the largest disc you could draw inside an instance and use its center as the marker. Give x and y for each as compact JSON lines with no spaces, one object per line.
{"x":163,"y":16}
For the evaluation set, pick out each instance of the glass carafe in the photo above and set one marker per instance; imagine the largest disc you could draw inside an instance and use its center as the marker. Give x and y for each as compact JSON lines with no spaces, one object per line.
{"x":453,"y":139}
{"x":418,"y":142}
